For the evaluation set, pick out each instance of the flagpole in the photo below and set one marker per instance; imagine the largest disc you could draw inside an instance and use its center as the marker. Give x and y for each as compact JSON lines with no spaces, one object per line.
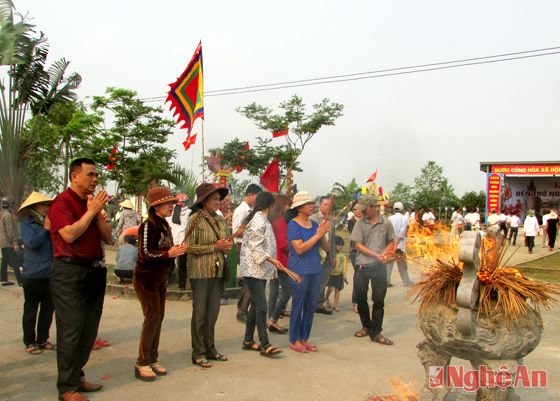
{"x":202,"y":142}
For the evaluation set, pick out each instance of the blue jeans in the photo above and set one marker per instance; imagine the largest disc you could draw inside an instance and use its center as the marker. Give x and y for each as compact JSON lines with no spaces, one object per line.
{"x":284,"y":296}
{"x":304,"y":300}
{"x":256,"y":316}
{"x":377,"y":275}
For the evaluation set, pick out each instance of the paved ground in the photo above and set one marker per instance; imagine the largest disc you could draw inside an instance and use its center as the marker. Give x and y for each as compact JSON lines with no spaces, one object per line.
{"x":346,"y":368}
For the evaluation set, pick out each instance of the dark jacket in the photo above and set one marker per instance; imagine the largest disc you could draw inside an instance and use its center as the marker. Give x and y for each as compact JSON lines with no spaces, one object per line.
{"x":38,"y":250}
{"x":154,"y":241}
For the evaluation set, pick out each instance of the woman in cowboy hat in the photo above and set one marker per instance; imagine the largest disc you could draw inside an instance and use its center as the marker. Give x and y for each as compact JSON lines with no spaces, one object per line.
{"x":156,"y":254}
{"x":305,"y":237}
{"x":37,"y":262}
{"x":207,"y":267}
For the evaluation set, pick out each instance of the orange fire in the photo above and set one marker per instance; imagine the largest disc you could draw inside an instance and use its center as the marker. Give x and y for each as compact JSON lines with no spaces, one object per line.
{"x":432,"y":244}
{"x":401,"y":392}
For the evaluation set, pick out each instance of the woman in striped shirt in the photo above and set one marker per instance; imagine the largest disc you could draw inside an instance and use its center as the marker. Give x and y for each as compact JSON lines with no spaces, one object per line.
{"x":207,"y":244}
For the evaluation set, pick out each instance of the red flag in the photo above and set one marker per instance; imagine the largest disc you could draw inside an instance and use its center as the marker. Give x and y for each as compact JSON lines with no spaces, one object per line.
{"x":372,"y":177}
{"x":271,"y":176}
{"x":380,"y":190}
{"x":247,"y":147}
{"x":186,"y":94}
{"x":191,"y":139}
{"x":279,"y":133}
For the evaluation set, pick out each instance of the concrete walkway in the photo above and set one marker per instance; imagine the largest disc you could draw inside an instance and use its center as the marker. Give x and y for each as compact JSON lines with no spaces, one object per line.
{"x":346,"y":368}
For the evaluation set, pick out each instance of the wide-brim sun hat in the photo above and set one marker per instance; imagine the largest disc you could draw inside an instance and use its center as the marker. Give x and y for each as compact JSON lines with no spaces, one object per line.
{"x":33,"y":199}
{"x":127,"y":204}
{"x":553,"y":215}
{"x":158,"y":195}
{"x":301,"y":198}
{"x":203,"y":191}
{"x":531,"y":212}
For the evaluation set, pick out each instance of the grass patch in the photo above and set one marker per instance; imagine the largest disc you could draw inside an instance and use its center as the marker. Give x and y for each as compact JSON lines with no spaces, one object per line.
{"x":544,"y":269}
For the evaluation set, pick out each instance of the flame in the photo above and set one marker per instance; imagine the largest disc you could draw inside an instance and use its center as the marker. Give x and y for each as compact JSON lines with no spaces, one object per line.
{"x":432,"y":243}
{"x":401,"y":392}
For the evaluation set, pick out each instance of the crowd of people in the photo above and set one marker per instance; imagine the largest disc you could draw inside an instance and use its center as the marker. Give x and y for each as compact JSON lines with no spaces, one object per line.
{"x":286,"y":243}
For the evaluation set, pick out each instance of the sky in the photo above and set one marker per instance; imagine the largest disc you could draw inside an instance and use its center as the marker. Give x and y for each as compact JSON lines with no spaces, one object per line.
{"x":456,"y":117}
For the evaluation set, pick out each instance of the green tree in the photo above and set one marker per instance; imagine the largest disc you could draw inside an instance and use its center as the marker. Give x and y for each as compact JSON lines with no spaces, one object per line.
{"x":471,"y":200}
{"x":301,"y":126}
{"x":28,"y":85}
{"x":133,"y":147}
{"x":345,"y":194}
{"x":403,"y":193}
{"x":432,"y":189}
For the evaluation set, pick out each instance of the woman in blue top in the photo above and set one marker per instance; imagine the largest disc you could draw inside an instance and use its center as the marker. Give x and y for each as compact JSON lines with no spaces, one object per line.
{"x":37,"y":261}
{"x":305,"y":237}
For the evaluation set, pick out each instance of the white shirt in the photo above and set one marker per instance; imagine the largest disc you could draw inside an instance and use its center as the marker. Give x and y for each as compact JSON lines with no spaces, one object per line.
{"x":239,"y":215}
{"x":429,"y":218}
{"x":258,"y":245}
{"x":514,"y":221}
{"x":178,"y":230}
{"x":400,"y":224}
{"x":531,"y":226}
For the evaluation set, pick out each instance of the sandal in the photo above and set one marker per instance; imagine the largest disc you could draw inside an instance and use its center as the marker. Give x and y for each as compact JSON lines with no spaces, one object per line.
{"x":250,"y":346}
{"x":158,"y":369}
{"x":361,"y":333}
{"x":275,"y":329}
{"x":270,"y":351}
{"x":298,"y":348}
{"x":382,"y":340}
{"x":202,"y":363}
{"x":47,"y":345}
{"x":33,"y":349}
{"x":310,"y":347}
{"x":144,"y":373}
{"x":218,"y":357}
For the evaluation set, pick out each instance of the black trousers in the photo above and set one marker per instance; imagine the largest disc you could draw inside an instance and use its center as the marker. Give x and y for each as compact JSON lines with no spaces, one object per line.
{"x":38,"y":301}
{"x":206,"y":294}
{"x":257,"y":312}
{"x":244,"y":295}
{"x":377,"y":275}
{"x":182,"y":270}
{"x":78,"y":293}
{"x":12,"y":258}
{"x":325,"y":275}
{"x":513,"y":234}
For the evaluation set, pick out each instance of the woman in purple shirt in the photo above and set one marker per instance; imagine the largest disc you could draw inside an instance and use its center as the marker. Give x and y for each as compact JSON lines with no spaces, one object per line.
{"x":304,"y":238}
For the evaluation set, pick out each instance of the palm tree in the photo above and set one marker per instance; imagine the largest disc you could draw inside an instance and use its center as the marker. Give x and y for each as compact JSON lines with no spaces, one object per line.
{"x":29,"y":86}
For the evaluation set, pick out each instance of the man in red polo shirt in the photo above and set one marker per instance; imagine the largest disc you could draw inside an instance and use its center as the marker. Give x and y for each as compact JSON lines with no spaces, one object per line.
{"x":78,"y":277}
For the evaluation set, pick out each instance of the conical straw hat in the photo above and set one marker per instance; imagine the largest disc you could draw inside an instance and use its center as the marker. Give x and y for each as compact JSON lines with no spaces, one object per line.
{"x":34,"y":198}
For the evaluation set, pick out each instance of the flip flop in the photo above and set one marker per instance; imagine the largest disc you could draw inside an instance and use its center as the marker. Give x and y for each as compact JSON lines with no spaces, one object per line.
{"x":218,"y":357}
{"x":270,"y":351}
{"x":298,"y":348}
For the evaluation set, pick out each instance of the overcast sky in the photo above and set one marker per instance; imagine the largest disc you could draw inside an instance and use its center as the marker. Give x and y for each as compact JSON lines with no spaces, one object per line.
{"x":456,"y":117}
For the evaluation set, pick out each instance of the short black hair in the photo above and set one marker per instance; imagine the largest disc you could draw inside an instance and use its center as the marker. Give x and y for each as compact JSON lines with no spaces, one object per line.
{"x":338,"y":240}
{"x":324,"y":198}
{"x":76,"y":164}
{"x":253,"y":189}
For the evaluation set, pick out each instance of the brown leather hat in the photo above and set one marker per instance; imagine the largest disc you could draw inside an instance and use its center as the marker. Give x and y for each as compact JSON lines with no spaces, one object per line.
{"x":203,"y":191}
{"x":158,"y":195}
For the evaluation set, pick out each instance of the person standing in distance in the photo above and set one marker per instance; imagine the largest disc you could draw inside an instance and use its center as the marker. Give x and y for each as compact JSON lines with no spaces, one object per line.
{"x":78,"y":226}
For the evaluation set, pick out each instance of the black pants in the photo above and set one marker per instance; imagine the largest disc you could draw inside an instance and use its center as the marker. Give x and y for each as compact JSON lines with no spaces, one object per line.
{"x":78,"y":293}
{"x":244,"y":295}
{"x":283,"y":297}
{"x":327,"y":269}
{"x":257,"y":311}
{"x":182,"y":270}
{"x":353,"y":255}
{"x":38,"y":301}
{"x":206,"y":294}
{"x":12,"y":258}
{"x":530,"y":241}
{"x":513,"y":234}
{"x":377,"y":275}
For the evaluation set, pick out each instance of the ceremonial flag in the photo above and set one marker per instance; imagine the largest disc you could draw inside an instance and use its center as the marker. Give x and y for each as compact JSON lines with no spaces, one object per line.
{"x":191,"y":139}
{"x":372,"y":177}
{"x":247,"y":147}
{"x":279,"y":133}
{"x":271,"y":176}
{"x":187,"y":94}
